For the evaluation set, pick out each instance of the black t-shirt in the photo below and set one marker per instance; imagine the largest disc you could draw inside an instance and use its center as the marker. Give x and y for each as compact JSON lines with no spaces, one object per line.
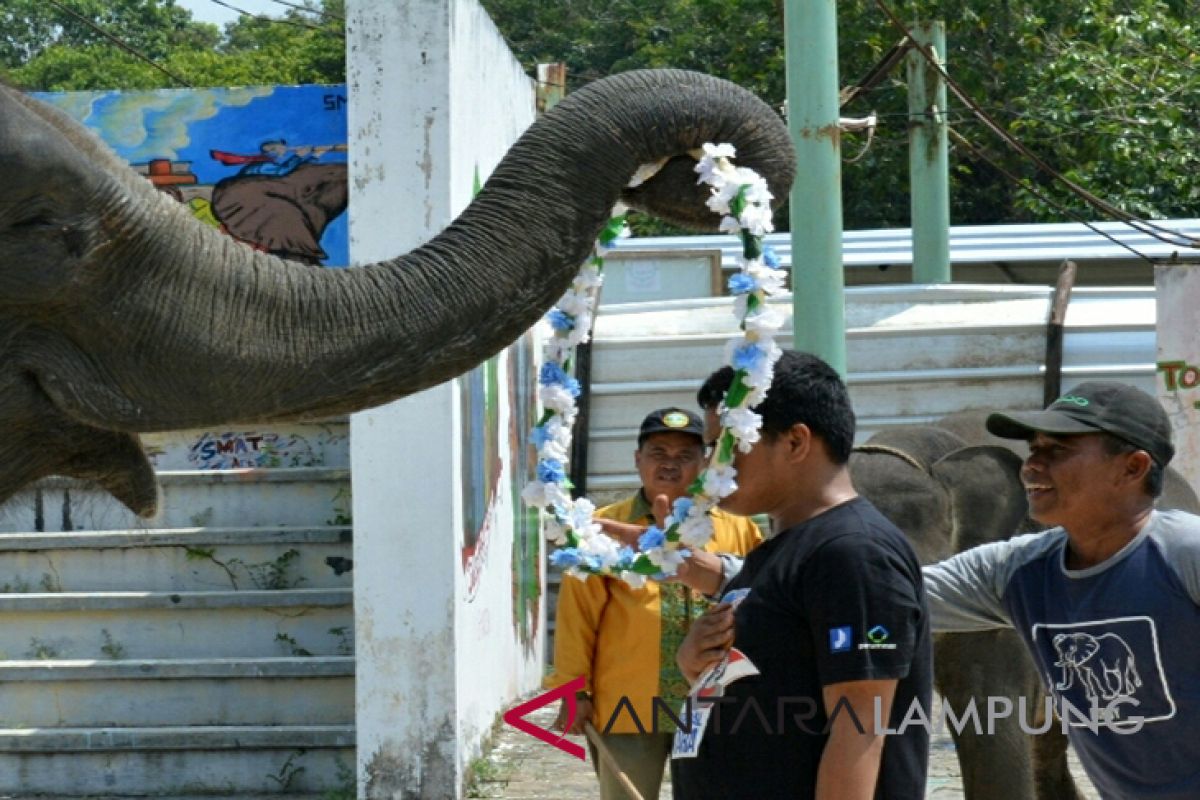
{"x":836,"y":598}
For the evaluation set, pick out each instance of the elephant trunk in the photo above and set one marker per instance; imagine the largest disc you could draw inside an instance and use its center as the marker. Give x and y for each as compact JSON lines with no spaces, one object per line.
{"x":226,"y":334}
{"x":121,"y":313}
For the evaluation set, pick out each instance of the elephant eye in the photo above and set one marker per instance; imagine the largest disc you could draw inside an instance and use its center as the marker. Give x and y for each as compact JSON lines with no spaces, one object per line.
{"x":32,"y":222}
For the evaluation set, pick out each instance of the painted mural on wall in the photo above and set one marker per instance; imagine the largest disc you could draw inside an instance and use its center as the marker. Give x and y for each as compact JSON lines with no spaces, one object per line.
{"x":479,"y":398}
{"x":527,"y":531}
{"x":266,"y":165}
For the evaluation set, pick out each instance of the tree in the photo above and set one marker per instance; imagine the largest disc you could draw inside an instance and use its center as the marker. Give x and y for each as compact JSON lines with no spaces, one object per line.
{"x":1107,"y":91}
{"x":47,"y":49}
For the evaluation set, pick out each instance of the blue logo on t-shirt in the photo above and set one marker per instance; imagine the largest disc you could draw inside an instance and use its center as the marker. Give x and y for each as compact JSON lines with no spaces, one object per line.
{"x":840,"y":639}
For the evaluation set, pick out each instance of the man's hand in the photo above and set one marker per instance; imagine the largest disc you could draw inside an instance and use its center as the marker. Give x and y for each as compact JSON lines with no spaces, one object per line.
{"x":628,"y":533}
{"x":710,"y":636}
{"x":583,"y":713}
{"x":702,"y":571}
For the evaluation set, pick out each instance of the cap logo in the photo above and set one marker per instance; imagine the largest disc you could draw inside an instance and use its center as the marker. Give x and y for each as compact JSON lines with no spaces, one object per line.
{"x":1074,"y":400}
{"x":675,"y":419}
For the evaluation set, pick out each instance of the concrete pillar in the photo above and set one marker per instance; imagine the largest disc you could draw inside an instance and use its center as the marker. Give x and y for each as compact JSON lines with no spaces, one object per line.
{"x":435,"y":99}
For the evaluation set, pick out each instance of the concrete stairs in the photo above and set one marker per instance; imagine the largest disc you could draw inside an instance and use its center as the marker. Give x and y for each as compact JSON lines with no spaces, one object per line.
{"x":207,"y":652}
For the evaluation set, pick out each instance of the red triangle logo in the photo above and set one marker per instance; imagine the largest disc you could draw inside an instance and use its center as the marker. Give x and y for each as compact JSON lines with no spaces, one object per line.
{"x":516,"y":717}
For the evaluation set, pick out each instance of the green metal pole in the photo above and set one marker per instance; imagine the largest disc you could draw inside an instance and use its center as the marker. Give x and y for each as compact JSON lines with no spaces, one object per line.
{"x":928,"y":163}
{"x":818,"y":302}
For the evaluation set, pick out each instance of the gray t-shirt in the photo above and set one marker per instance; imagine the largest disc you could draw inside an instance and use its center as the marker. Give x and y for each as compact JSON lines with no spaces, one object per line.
{"x":1117,"y":644}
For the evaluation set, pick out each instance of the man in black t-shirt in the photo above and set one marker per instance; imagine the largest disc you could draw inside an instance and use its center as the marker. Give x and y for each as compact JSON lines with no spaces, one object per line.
{"x":830,"y":613}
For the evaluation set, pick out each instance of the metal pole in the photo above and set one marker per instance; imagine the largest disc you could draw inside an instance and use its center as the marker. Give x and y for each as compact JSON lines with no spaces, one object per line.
{"x":928,"y":163}
{"x":818,"y":302}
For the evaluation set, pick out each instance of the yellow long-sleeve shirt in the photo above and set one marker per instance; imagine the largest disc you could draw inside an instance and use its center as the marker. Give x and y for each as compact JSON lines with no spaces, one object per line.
{"x":623,"y":640}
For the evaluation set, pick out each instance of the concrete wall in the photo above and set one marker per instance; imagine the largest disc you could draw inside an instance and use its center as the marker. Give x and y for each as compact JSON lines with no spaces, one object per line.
{"x":1178,"y":362}
{"x":435,"y":100}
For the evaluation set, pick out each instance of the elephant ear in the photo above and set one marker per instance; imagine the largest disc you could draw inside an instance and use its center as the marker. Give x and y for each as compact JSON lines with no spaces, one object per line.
{"x":1177,"y":493}
{"x":986,"y":496}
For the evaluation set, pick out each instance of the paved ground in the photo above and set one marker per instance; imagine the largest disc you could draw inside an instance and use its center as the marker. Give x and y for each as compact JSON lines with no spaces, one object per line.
{"x":519,"y":767}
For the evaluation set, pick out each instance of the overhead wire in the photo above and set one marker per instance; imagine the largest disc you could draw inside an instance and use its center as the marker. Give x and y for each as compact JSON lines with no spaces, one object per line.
{"x":280,"y":20}
{"x":311,"y":10}
{"x":1024,"y":183}
{"x":120,"y":43}
{"x":1145,"y":226}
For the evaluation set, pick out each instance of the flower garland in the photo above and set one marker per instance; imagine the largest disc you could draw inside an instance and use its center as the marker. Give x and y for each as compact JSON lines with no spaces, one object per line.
{"x":741,"y":196}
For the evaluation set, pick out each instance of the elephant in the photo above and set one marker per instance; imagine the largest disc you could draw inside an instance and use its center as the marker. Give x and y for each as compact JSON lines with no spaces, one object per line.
{"x":952,"y":486}
{"x":1104,"y":665}
{"x":121,"y":314}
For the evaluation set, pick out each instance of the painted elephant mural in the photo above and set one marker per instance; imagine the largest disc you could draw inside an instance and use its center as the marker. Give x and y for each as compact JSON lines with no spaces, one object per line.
{"x":950,"y":487}
{"x":120,"y":313}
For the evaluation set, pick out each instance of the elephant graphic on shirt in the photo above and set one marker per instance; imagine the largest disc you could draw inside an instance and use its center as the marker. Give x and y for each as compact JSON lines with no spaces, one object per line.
{"x":1104,"y":665}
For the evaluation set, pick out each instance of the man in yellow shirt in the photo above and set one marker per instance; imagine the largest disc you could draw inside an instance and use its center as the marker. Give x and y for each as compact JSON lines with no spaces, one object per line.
{"x":623,"y":640}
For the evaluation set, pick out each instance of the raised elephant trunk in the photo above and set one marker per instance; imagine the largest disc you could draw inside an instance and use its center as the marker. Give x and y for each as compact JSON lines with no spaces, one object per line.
{"x":120,"y":313}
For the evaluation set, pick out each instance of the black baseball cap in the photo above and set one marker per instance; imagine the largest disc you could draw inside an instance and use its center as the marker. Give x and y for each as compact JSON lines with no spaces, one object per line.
{"x":671,"y":420}
{"x":1097,"y":406}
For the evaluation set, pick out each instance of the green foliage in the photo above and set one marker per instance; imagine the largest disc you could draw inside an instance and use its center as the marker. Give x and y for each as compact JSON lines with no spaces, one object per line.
{"x":43,"y":48}
{"x":40,"y":650}
{"x":111,"y":648}
{"x":291,"y":646}
{"x":1107,"y":91}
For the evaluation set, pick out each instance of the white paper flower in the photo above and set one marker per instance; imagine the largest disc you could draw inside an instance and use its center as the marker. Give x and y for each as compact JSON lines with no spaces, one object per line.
{"x":580,"y":513}
{"x":605,"y":548}
{"x":636,"y":580}
{"x":696,"y":531}
{"x":764,"y":323}
{"x":553,"y":530}
{"x":666,"y":559}
{"x":729,"y":225}
{"x":719,"y":481}
{"x":576,"y":303}
{"x":556,"y":397}
{"x":744,"y":424}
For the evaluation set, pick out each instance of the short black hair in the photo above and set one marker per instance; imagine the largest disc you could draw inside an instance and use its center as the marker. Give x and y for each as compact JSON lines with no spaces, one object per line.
{"x":804,"y":390}
{"x":1116,"y":446}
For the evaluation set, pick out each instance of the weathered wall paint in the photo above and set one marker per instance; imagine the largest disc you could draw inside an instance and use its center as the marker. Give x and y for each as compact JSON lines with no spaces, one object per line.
{"x":436,"y":606}
{"x":1177,"y":289}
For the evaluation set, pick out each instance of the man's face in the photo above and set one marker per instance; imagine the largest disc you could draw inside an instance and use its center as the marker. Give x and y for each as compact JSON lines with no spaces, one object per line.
{"x":757,"y":472}
{"x":668,"y":462}
{"x":1069,"y":480}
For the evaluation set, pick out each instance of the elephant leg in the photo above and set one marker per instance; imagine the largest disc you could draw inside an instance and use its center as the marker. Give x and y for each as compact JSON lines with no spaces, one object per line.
{"x":969,"y":670}
{"x":39,"y":440}
{"x":1052,"y":774}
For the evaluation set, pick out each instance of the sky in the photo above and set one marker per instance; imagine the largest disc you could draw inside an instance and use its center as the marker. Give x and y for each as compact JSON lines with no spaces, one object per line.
{"x":208,"y":11}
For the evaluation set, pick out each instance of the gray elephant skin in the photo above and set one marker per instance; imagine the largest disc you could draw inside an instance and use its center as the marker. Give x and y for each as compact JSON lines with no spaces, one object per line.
{"x":120,"y":313}
{"x":951,"y":487}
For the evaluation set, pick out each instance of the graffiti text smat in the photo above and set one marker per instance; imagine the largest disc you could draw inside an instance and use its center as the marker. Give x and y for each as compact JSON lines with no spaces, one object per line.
{"x":249,"y":449}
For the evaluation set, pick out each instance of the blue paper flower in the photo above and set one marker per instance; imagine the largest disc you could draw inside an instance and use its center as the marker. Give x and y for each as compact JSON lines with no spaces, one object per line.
{"x":538,"y":436}
{"x":741,"y":283}
{"x":552,"y":372}
{"x":550,"y":470}
{"x":625,"y":557}
{"x":770,"y":258}
{"x":748,"y":356}
{"x":680,"y":508}
{"x":561,"y":320}
{"x":653,"y":537}
{"x":565,"y":557}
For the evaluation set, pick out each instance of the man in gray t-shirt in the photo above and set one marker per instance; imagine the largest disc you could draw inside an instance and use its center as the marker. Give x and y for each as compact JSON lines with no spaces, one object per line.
{"x":1108,"y":601}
